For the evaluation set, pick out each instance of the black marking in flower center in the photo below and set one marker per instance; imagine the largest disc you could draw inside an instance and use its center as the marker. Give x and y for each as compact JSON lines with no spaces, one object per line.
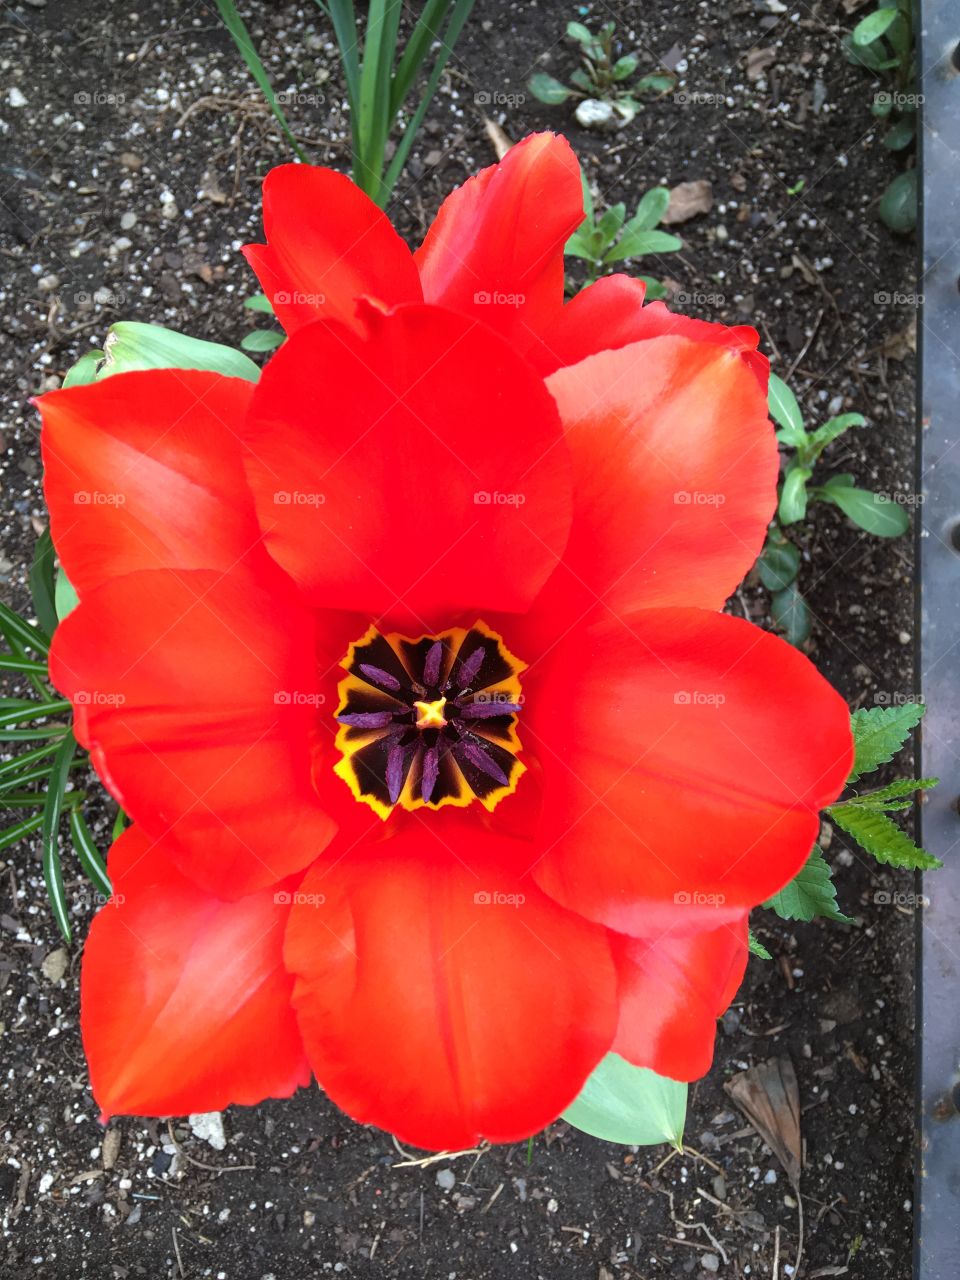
{"x":429,"y":722}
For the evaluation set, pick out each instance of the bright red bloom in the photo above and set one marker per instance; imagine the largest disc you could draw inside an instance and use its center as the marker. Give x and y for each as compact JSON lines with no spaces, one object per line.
{"x":406,"y":664}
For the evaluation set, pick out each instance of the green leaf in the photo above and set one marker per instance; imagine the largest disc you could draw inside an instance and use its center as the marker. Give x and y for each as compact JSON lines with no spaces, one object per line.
{"x":880,"y":798}
{"x":655,"y":83}
{"x":18,"y":631}
{"x":778,"y":565}
{"x":547,"y":89}
{"x":84,"y":371}
{"x":88,"y":853}
{"x":873,"y":26}
{"x":42,"y":583}
{"x":783,"y":406}
{"x":654,"y":289}
{"x":50,"y":832}
{"x":832,"y":429}
{"x":64,"y":595}
{"x":791,"y":613}
{"x":793,"y":495}
{"x":625,"y":67}
{"x":623,"y":1103}
{"x":809,"y":894}
{"x":610,"y":224}
{"x":262,"y":340}
{"x":634,"y":244}
{"x":577,"y":31}
{"x":241,"y":38}
{"x":881,"y":837}
{"x":131,"y":346}
{"x":871,"y":511}
{"x":650,"y":210}
{"x":14,"y":834}
{"x":879,"y":733}
{"x":898,"y":204}
{"x":901,"y":134}
{"x":259,"y":302}
{"x":756,"y":947}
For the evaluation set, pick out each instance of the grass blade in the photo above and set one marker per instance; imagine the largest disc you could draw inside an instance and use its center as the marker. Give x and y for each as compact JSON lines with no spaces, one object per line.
{"x":25,"y":665}
{"x":88,"y":853}
{"x":50,"y":831}
{"x":42,"y":583}
{"x":16,"y":710}
{"x":16,"y":833}
{"x":18,"y":631}
{"x":416,"y":50}
{"x":241,"y":38}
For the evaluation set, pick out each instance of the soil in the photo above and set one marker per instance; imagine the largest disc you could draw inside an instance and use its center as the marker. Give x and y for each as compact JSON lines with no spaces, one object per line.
{"x":130,"y":157}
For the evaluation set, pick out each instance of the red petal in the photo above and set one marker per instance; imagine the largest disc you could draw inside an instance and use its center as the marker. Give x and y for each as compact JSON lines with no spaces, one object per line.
{"x":686,"y":758}
{"x":143,"y":471}
{"x":182,"y":994}
{"x":610,"y":314}
{"x":672,"y":990}
{"x":495,"y":250}
{"x":434,"y":1009}
{"x":675,"y":473}
{"x":367,"y":460}
{"x":327,"y":245}
{"x":197,"y":694}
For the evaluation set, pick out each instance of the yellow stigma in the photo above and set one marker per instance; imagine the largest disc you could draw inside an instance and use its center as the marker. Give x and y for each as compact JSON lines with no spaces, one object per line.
{"x":431,"y":714}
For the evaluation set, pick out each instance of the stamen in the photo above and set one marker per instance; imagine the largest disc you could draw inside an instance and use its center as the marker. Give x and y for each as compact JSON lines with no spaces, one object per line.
{"x":378,"y":676}
{"x":469,"y":669}
{"x":396,"y":773}
{"x":431,"y":668}
{"x":485,"y":710}
{"x":431,"y":771}
{"x":367,"y":719}
{"x":476,"y":755}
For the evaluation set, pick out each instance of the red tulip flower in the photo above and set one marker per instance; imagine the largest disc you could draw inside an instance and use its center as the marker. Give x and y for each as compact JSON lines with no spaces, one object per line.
{"x":448,"y":776}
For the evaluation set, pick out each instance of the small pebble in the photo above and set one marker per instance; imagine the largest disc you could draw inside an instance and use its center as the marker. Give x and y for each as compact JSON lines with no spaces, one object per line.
{"x":710,"y":1262}
{"x":127,"y":221}
{"x":446,"y":1179}
{"x":16,"y":98}
{"x":208,"y":1127}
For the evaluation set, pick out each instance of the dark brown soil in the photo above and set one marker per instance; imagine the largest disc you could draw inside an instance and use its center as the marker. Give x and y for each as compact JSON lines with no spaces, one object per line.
{"x":149,"y":113}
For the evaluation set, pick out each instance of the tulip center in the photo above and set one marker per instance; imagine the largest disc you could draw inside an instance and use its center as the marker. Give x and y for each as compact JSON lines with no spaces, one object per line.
{"x":430,"y":721}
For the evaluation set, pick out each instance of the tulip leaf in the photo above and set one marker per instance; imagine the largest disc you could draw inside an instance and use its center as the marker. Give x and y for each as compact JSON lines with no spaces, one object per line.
{"x":809,"y":894}
{"x":64,"y":595}
{"x":42,"y":587}
{"x":84,"y":371}
{"x":131,"y":346}
{"x":879,"y":733}
{"x":623,"y":1103}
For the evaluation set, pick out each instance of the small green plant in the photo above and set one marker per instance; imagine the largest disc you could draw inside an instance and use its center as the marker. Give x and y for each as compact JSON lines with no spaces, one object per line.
{"x":884,"y":42}
{"x":380,"y":75}
{"x":602,"y":76}
{"x":878,"y":734}
{"x":604,"y":241}
{"x":875,"y":513}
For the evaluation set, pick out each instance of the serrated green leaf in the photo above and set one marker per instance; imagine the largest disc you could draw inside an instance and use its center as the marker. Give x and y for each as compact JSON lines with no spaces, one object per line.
{"x":623,"y":1103}
{"x":881,"y":837}
{"x":880,"y":799}
{"x":811,"y":893}
{"x":872,"y":512}
{"x":756,"y":947}
{"x":783,"y":405}
{"x":778,"y":565}
{"x":879,"y":733}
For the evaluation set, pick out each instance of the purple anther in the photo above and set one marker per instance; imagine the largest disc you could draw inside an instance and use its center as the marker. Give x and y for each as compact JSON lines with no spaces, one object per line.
{"x":476,"y":755}
{"x":431,"y":668}
{"x":367,"y":719}
{"x":470,"y":668}
{"x":484,"y":710}
{"x":431,"y":770}
{"x":396,"y":773}
{"x":377,"y":675}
